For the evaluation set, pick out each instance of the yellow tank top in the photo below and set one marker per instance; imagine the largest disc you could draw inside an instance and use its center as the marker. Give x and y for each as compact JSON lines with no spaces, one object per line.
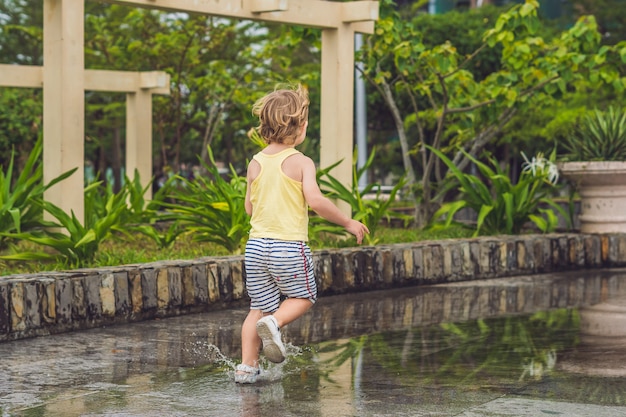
{"x":279,"y":210}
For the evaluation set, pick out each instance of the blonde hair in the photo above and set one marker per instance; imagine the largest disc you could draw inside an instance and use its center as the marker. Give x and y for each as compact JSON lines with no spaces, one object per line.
{"x":282,"y":113}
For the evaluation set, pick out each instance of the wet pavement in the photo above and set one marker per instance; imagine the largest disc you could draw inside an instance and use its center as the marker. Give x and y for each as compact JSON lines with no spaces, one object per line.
{"x":526,"y":346}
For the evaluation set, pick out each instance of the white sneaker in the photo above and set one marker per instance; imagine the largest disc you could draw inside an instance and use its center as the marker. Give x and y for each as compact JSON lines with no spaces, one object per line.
{"x":246,"y":374}
{"x":273,"y":347}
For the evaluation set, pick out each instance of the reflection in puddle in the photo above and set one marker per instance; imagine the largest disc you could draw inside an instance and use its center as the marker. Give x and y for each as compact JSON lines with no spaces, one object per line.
{"x":440,"y":350}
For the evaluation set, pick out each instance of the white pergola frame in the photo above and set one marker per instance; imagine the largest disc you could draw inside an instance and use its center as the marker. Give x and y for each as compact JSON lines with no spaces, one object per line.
{"x":64,"y":80}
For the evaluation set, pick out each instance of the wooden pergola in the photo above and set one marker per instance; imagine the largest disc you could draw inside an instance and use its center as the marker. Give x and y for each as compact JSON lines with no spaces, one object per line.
{"x":64,"y":80}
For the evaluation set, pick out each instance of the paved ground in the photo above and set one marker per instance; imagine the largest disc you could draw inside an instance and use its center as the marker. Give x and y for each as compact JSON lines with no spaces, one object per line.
{"x":353,"y":355}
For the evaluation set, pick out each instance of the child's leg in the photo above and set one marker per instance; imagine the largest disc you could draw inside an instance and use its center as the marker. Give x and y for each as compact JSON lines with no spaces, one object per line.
{"x":250,"y":340}
{"x":291,"y":309}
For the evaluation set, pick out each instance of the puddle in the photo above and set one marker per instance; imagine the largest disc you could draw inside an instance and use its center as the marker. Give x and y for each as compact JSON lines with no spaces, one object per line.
{"x":526,"y":346}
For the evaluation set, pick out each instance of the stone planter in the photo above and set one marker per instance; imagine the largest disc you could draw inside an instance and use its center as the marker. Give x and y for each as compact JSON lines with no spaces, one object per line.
{"x":602,"y":189}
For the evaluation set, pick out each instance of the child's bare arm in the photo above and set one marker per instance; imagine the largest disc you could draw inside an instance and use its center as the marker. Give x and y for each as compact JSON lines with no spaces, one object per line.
{"x":323,"y":206}
{"x":253,"y":171}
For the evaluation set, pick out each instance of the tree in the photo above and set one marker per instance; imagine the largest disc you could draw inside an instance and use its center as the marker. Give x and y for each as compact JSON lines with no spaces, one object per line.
{"x":210,"y":61}
{"x":453,"y":110}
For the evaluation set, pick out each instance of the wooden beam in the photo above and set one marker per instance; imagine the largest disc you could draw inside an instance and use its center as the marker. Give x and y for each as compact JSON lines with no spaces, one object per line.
{"x":264,"y":6}
{"x":311,"y":13}
{"x":359,"y":11}
{"x":26,"y":76}
{"x":31,"y":76}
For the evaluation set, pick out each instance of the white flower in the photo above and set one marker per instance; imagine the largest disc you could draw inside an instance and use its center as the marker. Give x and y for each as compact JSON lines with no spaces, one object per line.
{"x":539,"y":166}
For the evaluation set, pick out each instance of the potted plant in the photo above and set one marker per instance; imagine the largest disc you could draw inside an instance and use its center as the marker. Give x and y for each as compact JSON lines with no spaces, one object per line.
{"x":596,"y":163}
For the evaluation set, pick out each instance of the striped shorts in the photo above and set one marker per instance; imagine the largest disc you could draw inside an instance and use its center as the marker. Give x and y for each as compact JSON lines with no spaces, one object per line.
{"x":275,"y":268}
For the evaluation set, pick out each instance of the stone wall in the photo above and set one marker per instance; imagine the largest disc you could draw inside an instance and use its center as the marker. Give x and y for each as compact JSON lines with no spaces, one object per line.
{"x":54,"y":302}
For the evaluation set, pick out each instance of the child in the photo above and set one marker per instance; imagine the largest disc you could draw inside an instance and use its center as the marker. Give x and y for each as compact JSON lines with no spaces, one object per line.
{"x":281,"y":186}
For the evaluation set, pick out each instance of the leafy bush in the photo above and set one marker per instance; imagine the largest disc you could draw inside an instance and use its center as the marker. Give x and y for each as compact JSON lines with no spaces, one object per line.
{"x":503,"y":207}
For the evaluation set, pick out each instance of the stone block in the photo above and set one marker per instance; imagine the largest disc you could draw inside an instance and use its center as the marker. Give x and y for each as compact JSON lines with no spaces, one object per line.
{"x":604,"y":249}
{"x":213,"y":282}
{"x":433,"y":263}
{"x":163,"y":289}
{"x":576,"y":250}
{"x":399,"y":270}
{"x":18,"y":308}
{"x":236,"y":273}
{"x":64,"y":300}
{"x":201,"y":283}
{"x":79,"y":300}
{"x":92,"y":285}
{"x":5,"y":307}
{"x":471,"y":257}
{"x":408,"y":262}
{"x":32,"y":304}
{"x":322,"y":267}
{"x":457,"y":261}
{"x":383,"y":262}
{"x":484,"y":258}
{"x":418,"y":264}
{"x":122,"y":294}
{"x":521,"y":252}
{"x":149,"y":289}
{"x":593,"y":251}
{"x":175,"y":285}
{"x":135,"y":291}
{"x":617,"y":250}
{"x":560,"y":252}
{"x":107,"y":295}
{"x":542,"y":254}
{"x":225,"y":283}
{"x":48,"y":300}
{"x":363,"y":269}
{"x":446,"y":262}
{"x":530,"y":261}
{"x":338,"y":268}
{"x":510,"y":265}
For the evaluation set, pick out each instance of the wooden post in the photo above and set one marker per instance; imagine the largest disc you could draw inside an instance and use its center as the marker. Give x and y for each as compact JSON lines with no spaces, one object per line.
{"x":139,"y":136}
{"x":64,"y":102}
{"x":337,"y":95}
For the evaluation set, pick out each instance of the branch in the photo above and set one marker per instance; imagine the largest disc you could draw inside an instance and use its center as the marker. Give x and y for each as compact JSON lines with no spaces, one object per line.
{"x":467,"y":60}
{"x":483,"y":138}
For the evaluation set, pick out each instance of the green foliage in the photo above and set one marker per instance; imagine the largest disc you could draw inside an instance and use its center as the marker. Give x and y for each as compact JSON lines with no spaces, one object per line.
{"x":370,"y":211}
{"x":599,"y":136}
{"x":75,"y":243}
{"x":439,"y":98}
{"x":20,"y":121}
{"x":19,"y":197}
{"x":210,"y":208}
{"x":503,"y":207}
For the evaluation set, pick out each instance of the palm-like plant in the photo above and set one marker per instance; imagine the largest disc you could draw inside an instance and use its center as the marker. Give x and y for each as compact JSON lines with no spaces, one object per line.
{"x":75,"y":243}
{"x":600,"y":136}
{"x":210,"y":208}
{"x":19,"y":211}
{"x":501,"y":205}
{"x":370,"y":211}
